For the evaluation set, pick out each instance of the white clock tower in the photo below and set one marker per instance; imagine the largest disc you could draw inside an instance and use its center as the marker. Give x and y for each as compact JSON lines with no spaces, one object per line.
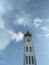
{"x":29,"y":56}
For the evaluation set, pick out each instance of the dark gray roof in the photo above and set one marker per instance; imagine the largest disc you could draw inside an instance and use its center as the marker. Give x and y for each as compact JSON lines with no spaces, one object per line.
{"x":27,"y":34}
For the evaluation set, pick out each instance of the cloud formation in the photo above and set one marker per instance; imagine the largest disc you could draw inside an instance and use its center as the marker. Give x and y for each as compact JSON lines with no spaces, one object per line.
{"x":7,"y":35}
{"x":17,"y":36}
{"x":47,"y":35}
{"x":37,"y":22}
{"x":45,"y":28}
{"x":24,"y":20}
{"x":12,"y":19}
{"x":46,"y":31}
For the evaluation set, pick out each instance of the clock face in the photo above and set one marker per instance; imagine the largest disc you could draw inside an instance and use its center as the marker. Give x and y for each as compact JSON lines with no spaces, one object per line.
{"x":28,"y":40}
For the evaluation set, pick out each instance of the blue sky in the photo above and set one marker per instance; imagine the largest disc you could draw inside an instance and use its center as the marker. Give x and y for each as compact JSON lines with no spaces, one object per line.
{"x":16,"y":17}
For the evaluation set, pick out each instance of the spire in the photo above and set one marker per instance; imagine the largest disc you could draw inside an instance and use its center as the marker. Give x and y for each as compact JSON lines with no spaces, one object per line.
{"x":27,"y":34}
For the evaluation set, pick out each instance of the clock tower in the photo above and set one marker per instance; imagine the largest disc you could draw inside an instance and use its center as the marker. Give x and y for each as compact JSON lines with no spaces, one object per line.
{"x":29,"y":56}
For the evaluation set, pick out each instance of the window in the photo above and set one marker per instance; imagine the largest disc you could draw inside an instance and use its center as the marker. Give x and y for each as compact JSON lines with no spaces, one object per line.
{"x":29,"y":60}
{"x":27,"y":49}
{"x":30,"y":49}
{"x":32,"y":60}
{"x":26,"y":59}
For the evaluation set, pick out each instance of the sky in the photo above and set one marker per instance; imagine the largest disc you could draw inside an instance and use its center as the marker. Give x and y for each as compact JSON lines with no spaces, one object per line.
{"x":16,"y":17}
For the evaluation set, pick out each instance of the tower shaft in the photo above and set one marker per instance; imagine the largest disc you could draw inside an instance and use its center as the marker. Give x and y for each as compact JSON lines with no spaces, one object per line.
{"x":29,"y":56}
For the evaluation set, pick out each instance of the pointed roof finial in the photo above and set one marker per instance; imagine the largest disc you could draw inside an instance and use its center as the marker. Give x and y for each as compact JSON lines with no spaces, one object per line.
{"x":27,"y":34}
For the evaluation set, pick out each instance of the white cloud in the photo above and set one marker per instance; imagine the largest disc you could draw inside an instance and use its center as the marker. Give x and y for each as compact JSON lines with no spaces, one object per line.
{"x":7,"y":35}
{"x":44,"y":28}
{"x":46,"y":31}
{"x":17,"y":36}
{"x":36,"y":25}
{"x":24,"y":20}
{"x":47,"y":35}
{"x":37,"y":22}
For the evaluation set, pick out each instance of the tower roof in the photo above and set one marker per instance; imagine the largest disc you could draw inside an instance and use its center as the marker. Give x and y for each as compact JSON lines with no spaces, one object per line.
{"x":27,"y":34}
